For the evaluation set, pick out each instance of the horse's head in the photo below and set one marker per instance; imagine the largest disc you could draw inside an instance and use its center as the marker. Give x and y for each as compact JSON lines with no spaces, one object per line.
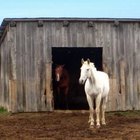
{"x":58,"y":72}
{"x":85,"y":70}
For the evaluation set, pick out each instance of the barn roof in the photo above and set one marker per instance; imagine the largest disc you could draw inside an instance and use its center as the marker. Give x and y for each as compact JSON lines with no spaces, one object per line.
{"x":6,"y":21}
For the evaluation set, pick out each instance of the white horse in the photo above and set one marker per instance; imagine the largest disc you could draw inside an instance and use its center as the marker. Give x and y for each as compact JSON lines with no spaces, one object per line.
{"x":96,"y":87}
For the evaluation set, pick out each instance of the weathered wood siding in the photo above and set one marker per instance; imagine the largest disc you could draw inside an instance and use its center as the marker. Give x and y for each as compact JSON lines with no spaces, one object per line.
{"x":26,"y":61}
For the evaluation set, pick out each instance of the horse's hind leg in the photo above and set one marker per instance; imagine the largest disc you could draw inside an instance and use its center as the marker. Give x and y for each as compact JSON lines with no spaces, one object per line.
{"x":66,"y":102}
{"x":66,"y":98}
{"x":104,"y":101}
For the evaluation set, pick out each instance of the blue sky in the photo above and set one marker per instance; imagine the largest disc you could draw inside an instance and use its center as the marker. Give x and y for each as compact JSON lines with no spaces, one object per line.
{"x":69,"y":8}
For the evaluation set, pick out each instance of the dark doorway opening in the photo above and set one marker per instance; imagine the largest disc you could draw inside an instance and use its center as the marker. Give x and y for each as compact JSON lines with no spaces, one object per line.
{"x":71,"y":59}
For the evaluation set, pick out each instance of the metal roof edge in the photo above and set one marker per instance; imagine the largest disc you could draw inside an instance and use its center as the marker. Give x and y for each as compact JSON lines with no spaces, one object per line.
{"x":6,"y":21}
{"x":70,"y":19}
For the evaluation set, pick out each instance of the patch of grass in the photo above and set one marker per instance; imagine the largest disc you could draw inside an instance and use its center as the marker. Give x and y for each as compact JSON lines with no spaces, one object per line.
{"x":3,"y":110}
{"x":125,"y":113}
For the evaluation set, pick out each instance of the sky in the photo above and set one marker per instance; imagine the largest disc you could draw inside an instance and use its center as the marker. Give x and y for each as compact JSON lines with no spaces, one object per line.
{"x":69,"y":8}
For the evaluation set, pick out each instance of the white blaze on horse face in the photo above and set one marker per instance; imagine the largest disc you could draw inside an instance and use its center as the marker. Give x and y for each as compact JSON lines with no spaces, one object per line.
{"x":57,"y":77}
{"x":58,"y":73}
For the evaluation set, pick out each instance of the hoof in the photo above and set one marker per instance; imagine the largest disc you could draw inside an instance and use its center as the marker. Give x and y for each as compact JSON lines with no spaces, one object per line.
{"x":91,"y":126}
{"x":98,"y":126}
{"x":104,"y":124}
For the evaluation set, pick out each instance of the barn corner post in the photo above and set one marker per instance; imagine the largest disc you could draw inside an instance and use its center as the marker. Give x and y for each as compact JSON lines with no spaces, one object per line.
{"x":12,"y":71}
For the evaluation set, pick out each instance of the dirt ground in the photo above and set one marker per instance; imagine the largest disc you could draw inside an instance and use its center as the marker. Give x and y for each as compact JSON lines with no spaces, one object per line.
{"x":68,"y":125}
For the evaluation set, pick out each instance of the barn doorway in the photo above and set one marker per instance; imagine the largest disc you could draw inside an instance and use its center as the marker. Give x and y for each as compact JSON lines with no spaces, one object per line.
{"x":71,"y":59}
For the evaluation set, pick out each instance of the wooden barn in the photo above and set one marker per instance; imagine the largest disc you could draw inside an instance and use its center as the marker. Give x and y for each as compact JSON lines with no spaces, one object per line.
{"x":31,"y":47}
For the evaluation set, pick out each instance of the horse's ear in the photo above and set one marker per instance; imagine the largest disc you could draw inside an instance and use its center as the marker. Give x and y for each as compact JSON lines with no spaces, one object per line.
{"x":88,"y":60}
{"x":82,"y":61}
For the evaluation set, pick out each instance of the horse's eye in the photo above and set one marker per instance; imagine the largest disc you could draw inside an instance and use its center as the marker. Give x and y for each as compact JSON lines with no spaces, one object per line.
{"x":87,"y":69}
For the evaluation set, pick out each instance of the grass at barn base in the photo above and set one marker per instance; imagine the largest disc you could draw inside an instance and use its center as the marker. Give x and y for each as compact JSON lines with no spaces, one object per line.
{"x":130,"y":113}
{"x":3,"y":111}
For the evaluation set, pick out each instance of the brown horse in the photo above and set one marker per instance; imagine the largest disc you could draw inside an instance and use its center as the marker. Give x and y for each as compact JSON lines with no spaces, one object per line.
{"x":62,"y":79}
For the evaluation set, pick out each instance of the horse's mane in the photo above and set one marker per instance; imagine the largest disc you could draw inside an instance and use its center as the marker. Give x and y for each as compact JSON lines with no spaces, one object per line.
{"x":92,"y":65}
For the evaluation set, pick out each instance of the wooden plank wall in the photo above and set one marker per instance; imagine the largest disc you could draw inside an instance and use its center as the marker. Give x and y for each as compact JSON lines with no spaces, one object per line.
{"x":4,"y":82}
{"x":26,"y":62}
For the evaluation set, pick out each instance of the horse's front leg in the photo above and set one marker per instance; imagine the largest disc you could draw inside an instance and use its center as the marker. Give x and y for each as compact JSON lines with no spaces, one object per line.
{"x":91,"y":111}
{"x":98,"y":102}
{"x":59,"y":98}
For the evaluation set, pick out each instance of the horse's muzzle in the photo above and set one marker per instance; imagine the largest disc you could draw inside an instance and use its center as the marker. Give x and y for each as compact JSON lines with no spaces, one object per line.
{"x":81,"y":81}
